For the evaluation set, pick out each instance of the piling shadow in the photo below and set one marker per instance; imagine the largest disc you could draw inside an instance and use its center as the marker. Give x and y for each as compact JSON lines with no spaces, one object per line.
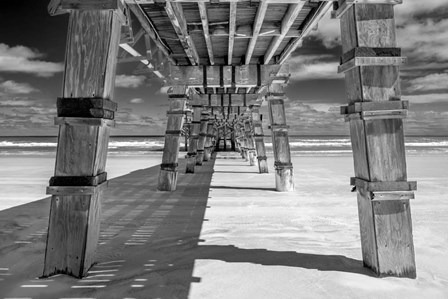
{"x":150,"y":241}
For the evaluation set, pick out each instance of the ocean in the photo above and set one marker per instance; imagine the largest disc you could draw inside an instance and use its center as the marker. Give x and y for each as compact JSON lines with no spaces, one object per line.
{"x":141,"y":145}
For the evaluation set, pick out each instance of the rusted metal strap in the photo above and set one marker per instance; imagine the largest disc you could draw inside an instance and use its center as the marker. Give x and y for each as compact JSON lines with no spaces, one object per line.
{"x":78,"y":180}
{"x":175,"y":112}
{"x":76,"y":190}
{"x":169,"y":166}
{"x":173,"y":132}
{"x":177,"y":96}
{"x":262,"y":158}
{"x":94,"y":107}
{"x":282,"y":165}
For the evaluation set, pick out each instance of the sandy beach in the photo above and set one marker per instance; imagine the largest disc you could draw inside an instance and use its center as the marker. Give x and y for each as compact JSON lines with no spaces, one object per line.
{"x":225,"y":233}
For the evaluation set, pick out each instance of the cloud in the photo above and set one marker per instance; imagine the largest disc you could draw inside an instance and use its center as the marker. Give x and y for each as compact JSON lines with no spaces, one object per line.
{"x":429,"y":82}
{"x":304,"y":118}
{"x":427,"y":98}
{"x":136,"y":101}
{"x":129,"y":81}
{"x":12,"y":87}
{"x":21,"y":59}
{"x":311,"y":67}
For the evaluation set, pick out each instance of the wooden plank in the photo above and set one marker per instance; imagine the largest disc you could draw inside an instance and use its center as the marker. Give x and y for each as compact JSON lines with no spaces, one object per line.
{"x":232,"y":28}
{"x":177,"y":18}
{"x":292,"y":46}
{"x":367,"y":230}
{"x":261,"y":11}
{"x":287,"y":22}
{"x":383,"y":186}
{"x":205,"y":28}
{"x":392,"y":195}
{"x":371,"y":61}
{"x":146,"y":24}
{"x":393,"y":227}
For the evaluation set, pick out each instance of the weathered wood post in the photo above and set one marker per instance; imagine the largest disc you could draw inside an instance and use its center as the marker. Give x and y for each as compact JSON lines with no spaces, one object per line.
{"x":250,"y":142}
{"x":168,"y":169}
{"x":371,"y":62}
{"x":284,"y":178}
{"x":202,"y":136}
{"x":85,"y":115}
{"x":195,"y":127}
{"x":208,"y":141}
{"x":259,"y":141}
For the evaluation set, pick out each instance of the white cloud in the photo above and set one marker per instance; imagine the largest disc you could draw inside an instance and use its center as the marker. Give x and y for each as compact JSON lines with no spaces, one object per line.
{"x":15,"y":102}
{"x":309,"y":67}
{"x":136,"y":101}
{"x":12,"y":87}
{"x":20,"y":59}
{"x":429,"y":82}
{"x":427,"y":98}
{"x":129,"y":81}
{"x":424,"y":40}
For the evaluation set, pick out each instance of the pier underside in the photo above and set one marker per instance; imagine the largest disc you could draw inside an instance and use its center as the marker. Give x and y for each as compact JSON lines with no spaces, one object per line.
{"x":221,"y":61}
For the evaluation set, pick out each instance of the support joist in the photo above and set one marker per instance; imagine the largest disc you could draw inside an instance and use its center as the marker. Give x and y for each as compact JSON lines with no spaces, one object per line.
{"x":259,"y":18}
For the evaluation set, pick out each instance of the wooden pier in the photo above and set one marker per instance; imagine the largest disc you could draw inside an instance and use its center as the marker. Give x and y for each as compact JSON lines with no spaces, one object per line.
{"x":222,"y":60}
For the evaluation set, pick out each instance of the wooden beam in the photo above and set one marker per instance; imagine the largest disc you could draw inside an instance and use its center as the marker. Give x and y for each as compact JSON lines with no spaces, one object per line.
{"x":90,"y":67}
{"x":292,"y":46}
{"x":146,"y":24}
{"x":232,"y":29}
{"x":287,"y":21}
{"x":261,"y":12}
{"x":177,"y":18}
{"x":205,"y":28}
{"x":142,"y":59}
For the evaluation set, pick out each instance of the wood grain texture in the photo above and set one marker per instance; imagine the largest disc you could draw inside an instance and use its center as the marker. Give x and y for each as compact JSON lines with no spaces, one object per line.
{"x":367,"y":230}
{"x":168,"y":178}
{"x":378,"y":145}
{"x":67,"y":236}
{"x":91,"y":54}
{"x":393,"y":227}
{"x":386,"y":150}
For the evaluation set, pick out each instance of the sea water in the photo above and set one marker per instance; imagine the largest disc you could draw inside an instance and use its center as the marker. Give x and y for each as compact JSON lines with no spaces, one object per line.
{"x":141,"y":145}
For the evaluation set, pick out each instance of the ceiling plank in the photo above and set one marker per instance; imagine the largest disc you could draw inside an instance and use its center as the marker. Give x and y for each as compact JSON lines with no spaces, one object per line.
{"x":205,"y":27}
{"x":261,"y":12}
{"x":232,"y":29}
{"x":321,"y":11}
{"x":287,"y":21}
{"x":177,"y":18}
{"x":145,"y":23}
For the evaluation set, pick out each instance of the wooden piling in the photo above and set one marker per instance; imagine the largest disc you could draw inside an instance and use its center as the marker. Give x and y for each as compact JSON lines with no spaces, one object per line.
{"x":373,"y":89}
{"x":284,"y":178}
{"x":202,"y":136}
{"x":196,"y":123}
{"x":259,"y":141}
{"x":250,"y":143}
{"x":208,"y":150}
{"x":168,"y":168}
{"x":85,"y":115}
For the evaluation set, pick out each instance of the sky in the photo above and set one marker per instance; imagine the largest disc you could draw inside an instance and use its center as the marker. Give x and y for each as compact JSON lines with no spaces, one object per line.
{"x":32,"y":48}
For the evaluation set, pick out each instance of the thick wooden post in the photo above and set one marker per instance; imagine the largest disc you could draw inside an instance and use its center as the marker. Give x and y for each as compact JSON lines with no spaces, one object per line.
{"x":168,"y":168}
{"x":195,"y":127}
{"x":208,"y":141}
{"x":259,"y":141}
{"x":85,"y":114}
{"x":250,"y":144}
{"x":371,"y":62}
{"x":202,"y":136}
{"x":284,"y":179}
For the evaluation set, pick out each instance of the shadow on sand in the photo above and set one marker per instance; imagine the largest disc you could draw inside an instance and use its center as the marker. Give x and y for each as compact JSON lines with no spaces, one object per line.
{"x":150,"y":240}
